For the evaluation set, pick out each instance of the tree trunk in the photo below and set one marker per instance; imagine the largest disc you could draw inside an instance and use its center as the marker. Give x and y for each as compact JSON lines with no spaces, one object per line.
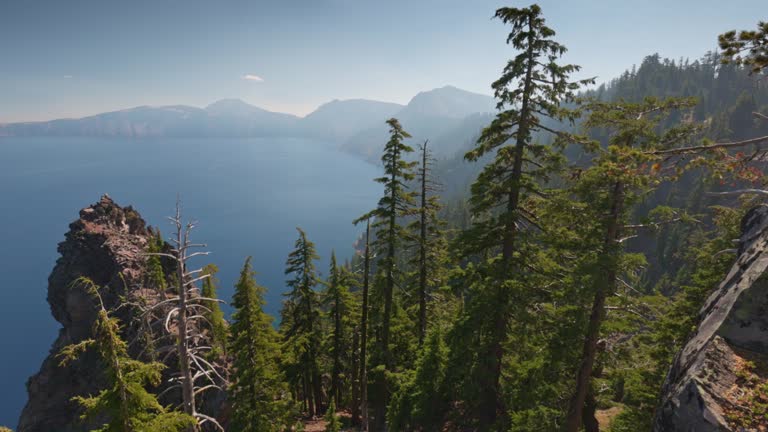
{"x":501,"y":318}
{"x":318,"y":389}
{"x":422,"y":330}
{"x":604,"y":288}
{"x":335,"y":384}
{"x":355,"y":379}
{"x":308,"y":394}
{"x":364,"y":330}
{"x":185,"y":369}
{"x":590,"y":406}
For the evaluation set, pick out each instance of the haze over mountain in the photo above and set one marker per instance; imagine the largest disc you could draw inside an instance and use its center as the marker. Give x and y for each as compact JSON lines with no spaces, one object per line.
{"x":338,"y":120}
{"x":356,"y":125}
{"x":222,"y":118}
{"x":429,"y":115}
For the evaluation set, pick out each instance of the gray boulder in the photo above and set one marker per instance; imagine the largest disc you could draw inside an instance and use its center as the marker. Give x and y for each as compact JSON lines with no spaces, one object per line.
{"x":715,"y":380}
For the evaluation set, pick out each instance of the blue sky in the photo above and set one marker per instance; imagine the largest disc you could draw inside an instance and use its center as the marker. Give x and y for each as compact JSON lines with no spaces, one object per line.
{"x":70,"y":58}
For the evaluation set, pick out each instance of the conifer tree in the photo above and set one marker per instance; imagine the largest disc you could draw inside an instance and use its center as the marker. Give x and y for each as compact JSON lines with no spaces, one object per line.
{"x":747,"y":47}
{"x":302,"y":317}
{"x":214,"y":314}
{"x":421,"y":402}
{"x":390,"y":235}
{"x":332,"y":420}
{"x":156,"y":276}
{"x":530,"y":93}
{"x":629,"y":167}
{"x":127,"y":405}
{"x":257,"y":391}
{"x":340,"y":306}
{"x":429,"y":235}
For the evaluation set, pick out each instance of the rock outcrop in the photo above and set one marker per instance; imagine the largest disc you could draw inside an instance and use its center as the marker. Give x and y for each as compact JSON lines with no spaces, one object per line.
{"x":107,"y":245}
{"x":720,"y":374}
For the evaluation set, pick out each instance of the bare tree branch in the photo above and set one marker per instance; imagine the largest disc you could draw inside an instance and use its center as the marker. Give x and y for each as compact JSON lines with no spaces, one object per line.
{"x":741,"y":192}
{"x":694,"y":149}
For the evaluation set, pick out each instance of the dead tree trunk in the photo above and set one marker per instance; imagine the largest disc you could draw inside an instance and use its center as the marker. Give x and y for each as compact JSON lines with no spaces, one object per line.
{"x":184,"y":318}
{"x":422,"y":330}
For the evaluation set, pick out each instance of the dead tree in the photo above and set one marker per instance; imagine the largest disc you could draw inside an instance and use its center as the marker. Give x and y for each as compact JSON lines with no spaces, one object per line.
{"x":427,"y":234}
{"x":182,"y":318}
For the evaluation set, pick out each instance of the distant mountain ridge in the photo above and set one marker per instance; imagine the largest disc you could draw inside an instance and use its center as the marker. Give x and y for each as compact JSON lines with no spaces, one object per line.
{"x":222,"y":118}
{"x":448,"y":116}
{"x":356,"y":125}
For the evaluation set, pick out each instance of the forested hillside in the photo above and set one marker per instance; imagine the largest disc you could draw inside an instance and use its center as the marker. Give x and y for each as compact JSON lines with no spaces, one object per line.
{"x":544,"y":279}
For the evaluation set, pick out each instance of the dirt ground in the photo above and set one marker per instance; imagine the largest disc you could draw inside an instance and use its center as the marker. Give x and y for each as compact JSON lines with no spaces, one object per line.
{"x":605,"y":417}
{"x":318,"y":425}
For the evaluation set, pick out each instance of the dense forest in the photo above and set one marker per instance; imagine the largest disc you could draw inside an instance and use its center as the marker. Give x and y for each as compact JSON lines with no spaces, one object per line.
{"x":541,"y":280}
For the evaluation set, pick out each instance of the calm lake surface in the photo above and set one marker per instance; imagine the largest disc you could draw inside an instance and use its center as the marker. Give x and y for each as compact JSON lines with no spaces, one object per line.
{"x":248,"y":196}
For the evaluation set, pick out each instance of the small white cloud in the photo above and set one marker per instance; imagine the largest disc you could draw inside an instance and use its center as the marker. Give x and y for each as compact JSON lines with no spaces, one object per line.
{"x":252,"y":77}
{"x":67,"y":76}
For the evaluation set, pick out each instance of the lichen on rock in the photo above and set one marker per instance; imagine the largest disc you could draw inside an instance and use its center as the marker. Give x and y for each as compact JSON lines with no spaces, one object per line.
{"x":713,"y":379}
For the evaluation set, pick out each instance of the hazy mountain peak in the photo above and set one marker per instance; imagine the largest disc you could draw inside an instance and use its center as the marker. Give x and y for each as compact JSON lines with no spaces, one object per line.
{"x":448,"y":101}
{"x":232,"y":107}
{"x":339,"y":119}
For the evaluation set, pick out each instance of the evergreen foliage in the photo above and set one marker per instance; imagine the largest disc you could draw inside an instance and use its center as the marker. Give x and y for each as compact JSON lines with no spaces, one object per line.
{"x":258,"y":390}
{"x":156,"y":275}
{"x":396,"y":203}
{"x":531,"y":91}
{"x":586,"y":246}
{"x":342,"y":315}
{"x":421,"y":401}
{"x":747,"y":47}
{"x":429,"y":238}
{"x":332,"y":420}
{"x":390,"y":237}
{"x":126,"y":402}
{"x":629,"y":167}
{"x":301,"y":325}
{"x":214,"y":314}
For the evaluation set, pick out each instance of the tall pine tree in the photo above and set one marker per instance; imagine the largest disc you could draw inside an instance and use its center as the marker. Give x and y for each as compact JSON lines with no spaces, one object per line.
{"x":629,"y":167}
{"x":396,"y":203}
{"x":301,"y":321}
{"x":214,"y":314}
{"x":390,"y":236}
{"x":258,"y":393}
{"x":530,"y":92}
{"x":340,"y":306}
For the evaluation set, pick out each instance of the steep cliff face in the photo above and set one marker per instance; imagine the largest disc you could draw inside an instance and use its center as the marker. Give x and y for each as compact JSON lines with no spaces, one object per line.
{"x":719,"y":380}
{"x":105,"y":244}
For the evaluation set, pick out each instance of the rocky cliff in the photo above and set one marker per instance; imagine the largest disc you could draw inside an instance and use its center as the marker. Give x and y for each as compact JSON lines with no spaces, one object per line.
{"x":107,"y":244}
{"x":719,"y":380}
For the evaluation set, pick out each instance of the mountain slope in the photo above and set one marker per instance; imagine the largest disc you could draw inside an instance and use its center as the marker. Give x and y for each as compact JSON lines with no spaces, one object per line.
{"x":443,"y":115}
{"x":223,"y":118}
{"x":448,"y":101}
{"x":429,"y":115}
{"x":338,"y":120}
{"x":233,"y":117}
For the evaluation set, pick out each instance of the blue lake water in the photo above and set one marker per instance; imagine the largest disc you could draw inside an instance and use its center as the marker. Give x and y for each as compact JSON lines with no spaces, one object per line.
{"x":248,"y":195}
